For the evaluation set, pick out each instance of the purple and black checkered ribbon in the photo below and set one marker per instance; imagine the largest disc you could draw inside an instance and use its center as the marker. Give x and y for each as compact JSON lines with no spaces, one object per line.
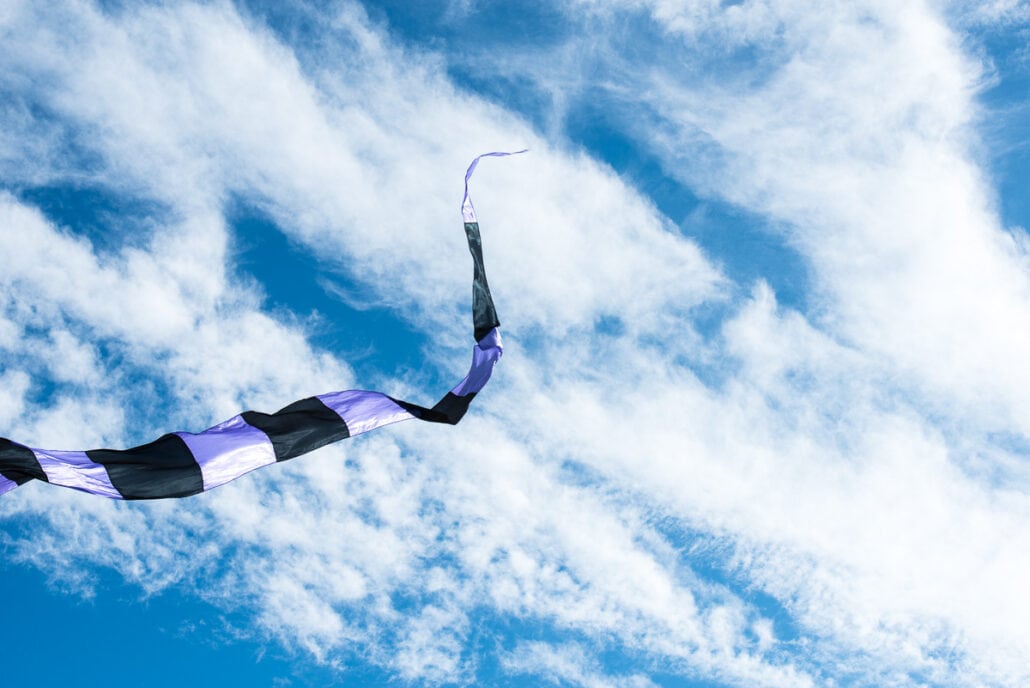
{"x":181,"y":464}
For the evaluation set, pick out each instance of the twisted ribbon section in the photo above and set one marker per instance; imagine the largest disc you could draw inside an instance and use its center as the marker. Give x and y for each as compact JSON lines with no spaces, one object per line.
{"x":181,"y":464}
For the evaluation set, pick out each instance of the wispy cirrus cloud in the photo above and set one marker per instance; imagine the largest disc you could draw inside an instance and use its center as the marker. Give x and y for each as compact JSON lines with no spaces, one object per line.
{"x":791,"y":499}
{"x":187,"y":326}
{"x":858,"y":142}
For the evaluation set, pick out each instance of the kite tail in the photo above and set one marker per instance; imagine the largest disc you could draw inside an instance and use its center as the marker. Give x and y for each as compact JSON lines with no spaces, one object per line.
{"x":182,"y":464}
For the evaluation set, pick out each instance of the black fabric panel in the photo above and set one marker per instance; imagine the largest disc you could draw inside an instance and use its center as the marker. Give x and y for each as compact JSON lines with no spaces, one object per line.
{"x":163,"y":468}
{"x":484,"y":315}
{"x":18,"y":463}
{"x":301,"y":427}
{"x":454,"y":407}
{"x":449,"y":410}
{"x":420,"y":412}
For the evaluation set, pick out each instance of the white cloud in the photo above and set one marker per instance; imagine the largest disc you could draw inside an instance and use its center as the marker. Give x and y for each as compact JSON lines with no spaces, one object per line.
{"x":363,"y":178}
{"x":821,"y":468}
{"x":860,"y":441}
{"x":566,"y":665}
{"x":992,"y":12}
{"x":143,"y":90}
{"x":859,"y":144}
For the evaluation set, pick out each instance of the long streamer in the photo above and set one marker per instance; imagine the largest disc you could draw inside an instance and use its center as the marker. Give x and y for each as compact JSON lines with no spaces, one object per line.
{"x":182,"y":464}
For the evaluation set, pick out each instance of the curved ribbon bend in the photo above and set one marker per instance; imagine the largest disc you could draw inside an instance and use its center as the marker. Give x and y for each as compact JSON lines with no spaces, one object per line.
{"x":182,"y":464}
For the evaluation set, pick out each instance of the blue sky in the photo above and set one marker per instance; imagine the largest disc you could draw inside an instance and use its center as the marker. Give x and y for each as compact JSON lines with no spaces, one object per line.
{"x":763,"y":417}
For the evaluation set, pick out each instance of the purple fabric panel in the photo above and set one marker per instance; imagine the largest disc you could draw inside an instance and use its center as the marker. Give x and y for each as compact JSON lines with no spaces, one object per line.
{"x":363,"y":411}
{"x":485,"y":355}
{"x":74,"y":469}
{"x":6,"y":485}
{"x":228,"y":450}
{"x":491,"y":339}
{"x":468,"y":213}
